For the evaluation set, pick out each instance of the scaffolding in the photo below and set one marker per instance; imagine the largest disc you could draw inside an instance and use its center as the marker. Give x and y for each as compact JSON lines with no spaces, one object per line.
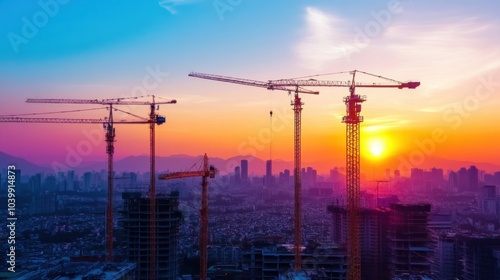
{"x":136,"y":225}
{"x":409,"y":239}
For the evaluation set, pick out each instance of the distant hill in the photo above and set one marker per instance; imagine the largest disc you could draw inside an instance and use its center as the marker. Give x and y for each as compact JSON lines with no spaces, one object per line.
{"x":185,"y":162}
{"x":25,"y":166}
{"x":256,"y":166}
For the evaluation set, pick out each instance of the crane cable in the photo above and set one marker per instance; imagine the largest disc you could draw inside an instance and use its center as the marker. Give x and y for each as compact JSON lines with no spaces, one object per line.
{"x":271,"y":129}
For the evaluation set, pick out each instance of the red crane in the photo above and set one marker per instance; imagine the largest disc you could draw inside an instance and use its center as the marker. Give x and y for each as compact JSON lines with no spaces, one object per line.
{"x":297,"y":108}
{"x":110,"y":136}
{"x":352,"y":121}
{"x":205,"y":173}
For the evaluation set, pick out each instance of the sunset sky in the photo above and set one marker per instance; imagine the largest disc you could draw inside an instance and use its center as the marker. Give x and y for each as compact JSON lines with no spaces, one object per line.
{"x":107,"y":49}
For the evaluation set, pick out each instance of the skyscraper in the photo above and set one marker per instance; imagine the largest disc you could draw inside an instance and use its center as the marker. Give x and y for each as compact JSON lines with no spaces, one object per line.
{"x":136,"y":225}
{"x":473,"y":178}
{"x":244,"y":172}
{"x":446,"y":257}
{"x":488,"y":204}
{"x":480,"y":256}
{"x":496,"y":179}
{"x":462,"y":179}
{"x":269,"y":173}
{"x":237,"y":175}
{"x":452,"y":180}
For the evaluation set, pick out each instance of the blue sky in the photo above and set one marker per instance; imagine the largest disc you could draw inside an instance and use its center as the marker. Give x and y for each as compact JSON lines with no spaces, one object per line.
{"x":104,"y":49}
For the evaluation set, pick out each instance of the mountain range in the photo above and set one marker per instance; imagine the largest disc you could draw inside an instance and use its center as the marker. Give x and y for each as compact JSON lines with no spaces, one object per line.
{"x":256,"y":165}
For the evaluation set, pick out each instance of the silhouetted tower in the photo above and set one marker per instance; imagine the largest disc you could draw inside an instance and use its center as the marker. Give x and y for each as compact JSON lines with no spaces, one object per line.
{"x":244,"y":172}
{"x":237,"y":175}
{"x":269,"y":173}
{"x":473,"y":178}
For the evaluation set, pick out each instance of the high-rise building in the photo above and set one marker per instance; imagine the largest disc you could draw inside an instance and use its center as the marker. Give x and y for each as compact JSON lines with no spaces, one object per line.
{"x":480,"y":257}
{"x":71,"y":180}
{"x":286,"y":175}
{"x":463,"y":179}
{"x":309,"y":176}
{"x":35,"y":184}
{"x":335,"y":175}
{"x":244,"y":172}
{"x":452,"y":180}
{"x":237,"y":175}
{"x":446,"y":258}
{"x":489,"y":200}
{"x":50,"y":183}
{"x":136,"y":229}
{"x":473,"y":178}
{"x":496,"y":179}
{"x":269,"y":174}
{"x":488,"y":179}
{"x":87,"y":180}
{"x":373,"y":236}
{"x":409,"y":239}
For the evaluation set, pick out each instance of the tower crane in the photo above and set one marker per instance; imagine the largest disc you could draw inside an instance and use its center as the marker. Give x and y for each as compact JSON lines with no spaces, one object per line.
{"x":205,"y":173}
{"x":110,"y":136}
{"x":297,"y":109}
{"x":352,"y":121}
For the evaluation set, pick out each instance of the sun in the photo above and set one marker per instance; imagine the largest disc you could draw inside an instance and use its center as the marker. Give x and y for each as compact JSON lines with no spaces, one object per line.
{"x":376,"y":147}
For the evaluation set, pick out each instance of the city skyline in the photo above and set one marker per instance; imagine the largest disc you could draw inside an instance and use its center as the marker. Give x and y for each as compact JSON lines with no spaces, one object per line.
{"x":64,"y":59}
{"x":300,"y":179}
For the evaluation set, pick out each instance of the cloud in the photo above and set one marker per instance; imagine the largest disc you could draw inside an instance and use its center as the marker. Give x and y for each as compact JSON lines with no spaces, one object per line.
{"x":440,"y":50}
{"x":445,"y":51}
{"x":321,"y":42}
{"x":384,"y":123}
{"x":449,"y":52}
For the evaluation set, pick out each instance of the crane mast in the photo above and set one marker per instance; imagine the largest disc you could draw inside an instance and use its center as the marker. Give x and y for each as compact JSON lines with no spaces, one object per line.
{"x":297,"y":109}
{"x":110,"y":150}
{"x":207,"y":172}
{"x":297,"y":241}
{"x":352,"y":121}
{"x":152,"y":194}
{"x":110,"y":136}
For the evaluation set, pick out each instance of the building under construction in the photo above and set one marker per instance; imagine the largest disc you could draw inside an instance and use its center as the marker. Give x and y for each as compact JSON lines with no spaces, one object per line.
{"x":409,"y":239}
{"x":267,"y":260}
{"x":136,"y":225}
{"x":373,"y":239}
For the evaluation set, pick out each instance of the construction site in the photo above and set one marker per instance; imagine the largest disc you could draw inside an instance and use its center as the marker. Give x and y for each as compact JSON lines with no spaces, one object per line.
{"x":232,"y":139}
{"x":151,"y":223}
